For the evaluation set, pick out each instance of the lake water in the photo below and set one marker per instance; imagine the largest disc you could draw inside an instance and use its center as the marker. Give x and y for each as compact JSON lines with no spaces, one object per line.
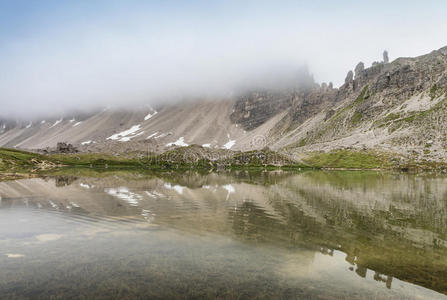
{"x":268,"y":235}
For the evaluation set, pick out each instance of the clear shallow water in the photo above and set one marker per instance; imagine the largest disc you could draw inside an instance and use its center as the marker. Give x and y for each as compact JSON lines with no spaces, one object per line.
{"x":311,"y":235}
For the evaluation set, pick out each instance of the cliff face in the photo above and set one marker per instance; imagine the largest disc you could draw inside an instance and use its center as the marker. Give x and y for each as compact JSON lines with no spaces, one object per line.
{"x":399,"y":106}
{"x":255,"y":108}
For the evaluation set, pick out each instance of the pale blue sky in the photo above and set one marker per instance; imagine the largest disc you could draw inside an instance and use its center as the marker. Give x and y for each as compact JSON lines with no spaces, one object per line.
{"x":59,"y":54}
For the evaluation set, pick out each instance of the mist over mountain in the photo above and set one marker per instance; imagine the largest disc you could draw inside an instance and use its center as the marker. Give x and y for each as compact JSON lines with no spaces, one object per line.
{"x":57,"y":57}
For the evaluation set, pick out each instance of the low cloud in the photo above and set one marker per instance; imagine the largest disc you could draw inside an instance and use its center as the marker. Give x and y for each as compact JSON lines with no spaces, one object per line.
{"x":133,"y":57}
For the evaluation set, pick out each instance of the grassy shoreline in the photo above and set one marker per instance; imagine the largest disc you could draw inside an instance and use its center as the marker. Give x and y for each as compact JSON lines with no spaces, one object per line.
{"x":15,"y":164}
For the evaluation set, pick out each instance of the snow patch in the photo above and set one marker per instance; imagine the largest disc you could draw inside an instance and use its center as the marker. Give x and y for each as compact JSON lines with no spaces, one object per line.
{"x":76,"y":124}
{"x":85,"y":186}
{"x":150,"y":115}
{"x":180,"y":142}
{"x":86,"y":142}
{"x":29,"y":125}
{"x":125,"y":133}
{"x":230,"y":143}
{"x":43,"y":122}
{"x":128,"y":138}
{"x":206,"y":145}
{"x":163,"y":135}
{"x":57,"y":122}
{"x":152,"y":135}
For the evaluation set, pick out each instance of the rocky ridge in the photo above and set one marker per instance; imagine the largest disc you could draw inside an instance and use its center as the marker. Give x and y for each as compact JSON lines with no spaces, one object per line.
{"x":397,"y":106}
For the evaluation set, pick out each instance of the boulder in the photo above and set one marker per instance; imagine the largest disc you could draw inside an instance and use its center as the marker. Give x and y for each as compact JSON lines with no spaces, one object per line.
{"x":65,"y":148}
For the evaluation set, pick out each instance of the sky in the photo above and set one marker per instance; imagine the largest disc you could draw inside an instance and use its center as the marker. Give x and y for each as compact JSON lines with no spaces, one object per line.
{"x":61,"y":55}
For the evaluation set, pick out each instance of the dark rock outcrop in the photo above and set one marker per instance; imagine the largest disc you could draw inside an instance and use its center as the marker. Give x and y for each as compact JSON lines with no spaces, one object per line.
{"x":254,"y":108}
{"x":349,"y":77}
{"x":65,"y":148}
{"x":359,"y":69}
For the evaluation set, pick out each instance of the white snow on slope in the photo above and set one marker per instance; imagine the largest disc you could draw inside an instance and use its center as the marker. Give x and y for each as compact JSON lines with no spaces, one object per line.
{"x":179,"y":142}
{"x":206,"y":145}
{"x":127,"y":138}
{"x":43,"y":122}
{"x":57,"y":122}
{"x":76,"y":124}
{"x":230,"y":143}
{"x":162,"y":135}
{"x":152,"y":135}
{"x":86,"y":142}
{"x":29,"y":125}
{"x":150,"y":115}
{"x":125,"y":133}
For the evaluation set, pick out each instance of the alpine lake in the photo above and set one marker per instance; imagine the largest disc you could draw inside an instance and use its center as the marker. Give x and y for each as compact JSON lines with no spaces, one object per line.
{"x":84,"y":234}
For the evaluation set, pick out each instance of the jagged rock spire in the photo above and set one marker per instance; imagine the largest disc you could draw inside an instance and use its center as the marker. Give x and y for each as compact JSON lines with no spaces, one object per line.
{"x":349,"y":77}
{"x":359,"y":69}
{"x":386,"y":59}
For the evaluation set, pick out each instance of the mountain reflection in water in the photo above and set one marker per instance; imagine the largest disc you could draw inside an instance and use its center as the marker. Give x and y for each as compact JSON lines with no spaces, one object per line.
{"x":319,"y":235}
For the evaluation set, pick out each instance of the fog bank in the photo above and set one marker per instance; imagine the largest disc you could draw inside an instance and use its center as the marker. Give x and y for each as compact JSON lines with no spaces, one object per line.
{"x":57,"y":56}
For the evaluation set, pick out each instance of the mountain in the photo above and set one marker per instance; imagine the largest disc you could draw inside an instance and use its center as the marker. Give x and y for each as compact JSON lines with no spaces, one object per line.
{"x":395,"y":107}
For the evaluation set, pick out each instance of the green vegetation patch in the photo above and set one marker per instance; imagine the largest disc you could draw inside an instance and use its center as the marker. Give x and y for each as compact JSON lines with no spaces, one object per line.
{"x":93,"y":159}
{"x":356,"y":118}
{"x":12,"y":160}
{"x":363,"y":96}
{"x":184,"y":158}
{"x":360,"y":99}
{"x":349,"y":159}
{"x":434,"y":92}
{"x":392,"y":117}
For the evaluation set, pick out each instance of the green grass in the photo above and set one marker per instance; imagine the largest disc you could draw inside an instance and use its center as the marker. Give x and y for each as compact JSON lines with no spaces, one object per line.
{"x":16,"y":164}
{"x":357,"y":115}
{"x":434,"y":92}
{"x":302,"y":142}
{"x":349,"y":159}
{"x":356,"y":118}
{"x":94,"y":160}
{"x":363,"y":95}
{"x":12,"y":160}
{"x":392,"y":117}
{"x":188,"y":158}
